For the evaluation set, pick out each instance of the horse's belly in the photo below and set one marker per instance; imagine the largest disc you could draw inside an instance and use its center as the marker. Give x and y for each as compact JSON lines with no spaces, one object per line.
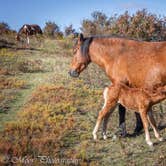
{"x":148,"y":74}
{"x":156,"y":76}
{"x":142,"y":70}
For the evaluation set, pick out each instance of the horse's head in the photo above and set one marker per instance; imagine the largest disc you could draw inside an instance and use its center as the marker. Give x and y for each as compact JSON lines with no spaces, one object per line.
{"x":81,"y":57}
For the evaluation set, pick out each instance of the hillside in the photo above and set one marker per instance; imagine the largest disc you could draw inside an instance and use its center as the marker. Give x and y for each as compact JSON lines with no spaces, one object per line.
{"x":44,"y":112}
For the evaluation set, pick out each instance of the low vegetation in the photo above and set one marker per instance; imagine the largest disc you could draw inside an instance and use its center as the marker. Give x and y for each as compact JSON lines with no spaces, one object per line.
{"x":44,"y":112}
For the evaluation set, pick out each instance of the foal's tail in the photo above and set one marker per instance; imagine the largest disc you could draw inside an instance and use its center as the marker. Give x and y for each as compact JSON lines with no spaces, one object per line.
{"x":159,"y":95}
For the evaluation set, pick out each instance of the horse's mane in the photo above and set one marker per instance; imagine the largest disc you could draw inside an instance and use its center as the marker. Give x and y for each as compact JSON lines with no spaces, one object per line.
{"x":115,"y":36}
{"x":87,"y":41}
{"x":85,"y":46}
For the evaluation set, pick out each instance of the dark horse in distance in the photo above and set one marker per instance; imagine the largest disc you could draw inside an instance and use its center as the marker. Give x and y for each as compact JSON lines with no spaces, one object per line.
{"x":136,"y":64}
{"x":28,"y":30}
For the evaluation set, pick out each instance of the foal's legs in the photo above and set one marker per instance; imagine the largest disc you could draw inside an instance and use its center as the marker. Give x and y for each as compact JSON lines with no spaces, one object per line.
{"x":143,"y":114}
{"x":105,"y":122}
{"x":110,"y":100}
{"x":122,"y":125}
{"x":153,"y":124}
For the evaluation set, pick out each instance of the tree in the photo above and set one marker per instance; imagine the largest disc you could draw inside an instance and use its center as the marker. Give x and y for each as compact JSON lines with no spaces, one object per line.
{"x":52,"y":30}
{"x":69,"y":30}
{"x":4,"y":28}
{"x":88,"y":27}
{"x":97,"y":25}
{"x":142,"y":25}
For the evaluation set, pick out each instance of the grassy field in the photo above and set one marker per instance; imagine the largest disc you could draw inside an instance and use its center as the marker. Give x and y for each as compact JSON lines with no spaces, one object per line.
{"x":47,"y":117}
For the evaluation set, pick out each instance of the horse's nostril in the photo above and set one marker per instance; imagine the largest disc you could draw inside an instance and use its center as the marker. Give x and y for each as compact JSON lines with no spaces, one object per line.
{"x":73,"y":73}
{"x":70,"y":73}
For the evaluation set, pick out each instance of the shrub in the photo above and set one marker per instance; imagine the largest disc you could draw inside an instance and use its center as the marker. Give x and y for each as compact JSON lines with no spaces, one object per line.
{"x":69,"y":30}
{"x":31,"y":66}
{"x":142,"y":25}
{"x":52,"y":30}
{"x":4,"y":28}
{"x":8,"y":83}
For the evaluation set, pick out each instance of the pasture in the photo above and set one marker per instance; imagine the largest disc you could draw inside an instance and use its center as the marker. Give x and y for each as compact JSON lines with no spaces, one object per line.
{"x":45,"y":112}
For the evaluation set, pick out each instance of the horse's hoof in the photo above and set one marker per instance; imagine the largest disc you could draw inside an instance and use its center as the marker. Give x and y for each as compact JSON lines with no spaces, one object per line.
{"x":150,"y":143}
{"x":138,"y":130}
{"x":94,"y":136}
{"x":114,"y":137}
{"x":160,"y":139}
{"x":104,"y":136}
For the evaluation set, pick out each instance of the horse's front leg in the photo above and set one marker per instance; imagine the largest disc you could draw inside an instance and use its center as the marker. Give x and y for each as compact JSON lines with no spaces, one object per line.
{"x":27,"y":41}
{"x":110,"y":101}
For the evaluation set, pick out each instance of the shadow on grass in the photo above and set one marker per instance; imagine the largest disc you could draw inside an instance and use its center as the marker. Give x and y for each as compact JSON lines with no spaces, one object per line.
{"x":4,"y":110}
{"x":26,"y":48}
{"x":6,"y":44}
{"x":161,"y":127}
{"x":159,"y":142}
{"x":11,"y":45}
{"x":133,"y":135}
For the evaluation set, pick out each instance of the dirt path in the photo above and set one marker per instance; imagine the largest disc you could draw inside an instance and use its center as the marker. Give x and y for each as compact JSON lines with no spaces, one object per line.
{"x":50,"y":65}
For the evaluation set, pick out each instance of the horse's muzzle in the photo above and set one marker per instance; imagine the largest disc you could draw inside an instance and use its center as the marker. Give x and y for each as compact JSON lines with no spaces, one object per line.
{"x":73,"y":73}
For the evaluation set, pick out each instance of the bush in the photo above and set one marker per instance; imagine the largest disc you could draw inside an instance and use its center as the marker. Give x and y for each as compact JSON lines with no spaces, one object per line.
{"x":69,"y":30}
{"x":4,"y":28}
{"x":31,"y":66}
{"x":8,"y":83}
{"x":52,"y":30}
{"x":142,"y":25}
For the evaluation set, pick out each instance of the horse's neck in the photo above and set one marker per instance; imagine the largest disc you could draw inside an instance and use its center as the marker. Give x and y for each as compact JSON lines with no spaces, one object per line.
{"x":99,"y":54}
{"x":20,"y":32}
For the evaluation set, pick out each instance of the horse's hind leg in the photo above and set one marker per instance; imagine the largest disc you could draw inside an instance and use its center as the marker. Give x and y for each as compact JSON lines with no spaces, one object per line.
{"x":110,"y":102}
{"x":153,"y":124}
{"x":139,"y":125}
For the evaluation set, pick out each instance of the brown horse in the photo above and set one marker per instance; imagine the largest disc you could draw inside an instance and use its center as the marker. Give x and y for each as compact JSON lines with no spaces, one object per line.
{"x":133,"y":63}
{"x":135,"y":99}
{"x":28,"y":30}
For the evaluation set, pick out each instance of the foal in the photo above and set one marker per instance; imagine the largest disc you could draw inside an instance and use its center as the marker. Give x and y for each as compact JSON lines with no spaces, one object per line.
{"x":132,"y":98}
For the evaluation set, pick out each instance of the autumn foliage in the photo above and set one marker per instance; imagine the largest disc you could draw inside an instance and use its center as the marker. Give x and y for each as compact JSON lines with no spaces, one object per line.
{"x":142,"y":25}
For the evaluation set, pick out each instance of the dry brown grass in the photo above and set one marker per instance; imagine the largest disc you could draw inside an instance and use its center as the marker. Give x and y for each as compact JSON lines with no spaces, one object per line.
{"x":43,"y":123}
{"x":11,"y":82}
{"x":31,"y":66}
{"x":58,"y":115}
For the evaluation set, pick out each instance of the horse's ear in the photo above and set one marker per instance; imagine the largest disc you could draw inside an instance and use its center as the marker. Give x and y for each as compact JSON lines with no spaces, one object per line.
{"x":81,"y":38}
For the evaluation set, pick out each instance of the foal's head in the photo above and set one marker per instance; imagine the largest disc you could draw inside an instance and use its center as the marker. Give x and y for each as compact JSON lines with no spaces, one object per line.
{"x":81,"y":57}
